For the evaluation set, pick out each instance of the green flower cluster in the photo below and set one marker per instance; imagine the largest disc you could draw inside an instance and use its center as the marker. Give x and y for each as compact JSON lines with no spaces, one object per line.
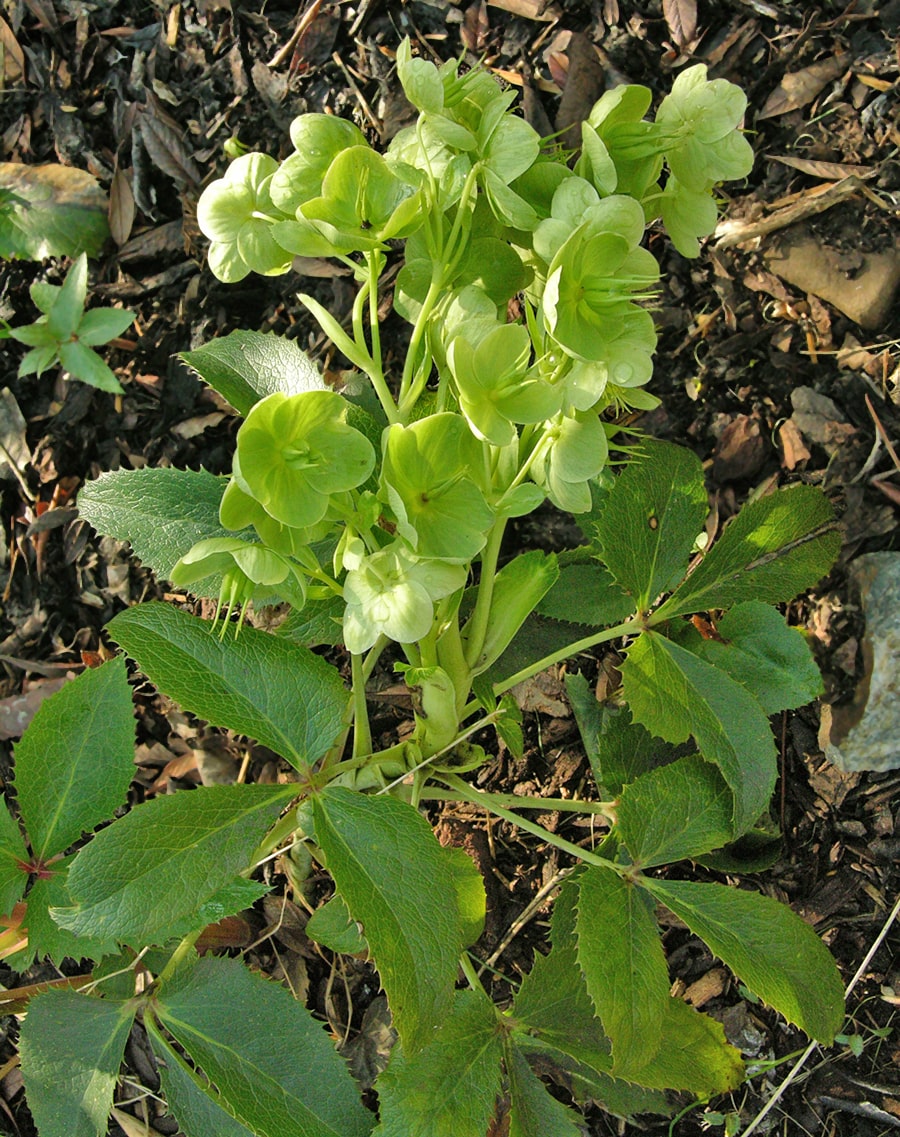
{"x":490,"y":415}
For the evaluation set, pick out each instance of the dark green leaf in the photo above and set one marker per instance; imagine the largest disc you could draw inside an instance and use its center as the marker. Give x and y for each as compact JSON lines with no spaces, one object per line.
{"x":334,"y":927}
{"x":195,"y":1106}
{"x":681,"y":810}
{"x":13,"y":858}
{"x":618,"y":749}
{"x":777,"y":955}
{"x":318,"y":622}
{"x":624,"y":967}
{"x":46,"y":939}
{"x":651,"y":519}
{"x":71,"y":1048}
{"x":76,"y":760}
{"x":586,"y":594}
{"x":533,"y":1112}
{"x":245,"y":367}
{"x":450,"y":1086}
{"x":263,"y":686}
{"x":161,"y":862}
{"x":273,"y":1065}
{"x":410,"y":918}
{"x":774,"y":548}
{"x":163,"y":513}
{"x":675,"y":694}
{"x":761,"y":652}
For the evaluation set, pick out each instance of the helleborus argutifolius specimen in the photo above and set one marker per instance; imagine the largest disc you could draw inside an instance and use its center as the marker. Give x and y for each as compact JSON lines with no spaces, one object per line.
{"x":249,"y":573}
{"x":295,"y":451}
{"x":575,"y":450}
{"x":430,"y":478}
{"x":706,"y":114}
{"x":236,"y":212}
{"x":392,"y":593}
{"x":494,"y":385}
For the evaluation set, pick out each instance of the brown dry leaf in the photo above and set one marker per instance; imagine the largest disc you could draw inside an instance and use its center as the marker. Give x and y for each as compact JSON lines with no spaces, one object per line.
{"x":17,"y":711}
{"x":475,"y":27}
{"x":162,"y":141}
{"x":584,"y":84}
{"x":121,"y":207}
{"x":800,"y":87}
{"x":542,"y":10}
{"x":681,"y":18}
{"x":11,"y":55}
{"x":191,"y":427}
{"x":545,"y":693}
{"x":741,"y":451}
{"x":830,"y":171}
{"x":793,"y":448}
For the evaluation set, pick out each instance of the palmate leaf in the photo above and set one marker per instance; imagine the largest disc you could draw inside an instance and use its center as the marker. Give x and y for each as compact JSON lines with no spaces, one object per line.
{"x":450,"y":1086}
{"x":274,"y":1067}
{"x":650,"y":520}
{"x":159,"y":864}
{"x":675,"y":694}
{"x":773,"y":549}
{"x":556,"y":1028}
{"x":411,"y":918}
{"x":163,"y":513}
{"x":621,"y":957}
{"x":245,"y":367}
{"x":262,"y":686}
{"x":777,"y":955}
{"x":71,"y":1048}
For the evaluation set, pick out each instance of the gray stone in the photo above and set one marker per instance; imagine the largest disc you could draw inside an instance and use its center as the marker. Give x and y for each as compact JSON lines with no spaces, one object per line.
{"x":865,"y":733}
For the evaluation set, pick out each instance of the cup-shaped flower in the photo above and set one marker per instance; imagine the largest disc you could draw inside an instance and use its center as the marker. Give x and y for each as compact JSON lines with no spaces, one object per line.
{"x":295,"y":451}
{"x":594,"y":277}
{"x":494,"y":385}
{"x":578,"y":450}
{"x":317,"y":139}
{"x":706,"y":114}
{"x":238,"y":510}
{"x":392,"y":593}
{"x":249,"y":573}
{"x":430,"y":478}
{"x":236,"y":212}
{"x":363,"y":202}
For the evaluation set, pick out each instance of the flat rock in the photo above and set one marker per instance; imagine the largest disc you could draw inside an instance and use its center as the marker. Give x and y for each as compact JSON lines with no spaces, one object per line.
{"x":865,"y":733}
{"x":861,"y":285}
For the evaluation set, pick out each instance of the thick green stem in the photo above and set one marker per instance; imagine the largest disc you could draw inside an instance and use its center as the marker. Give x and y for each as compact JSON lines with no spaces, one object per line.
{"x":362,"y":735}
{"x":514,"y":801}
{"x":475,"y":797}
{"x":629,"y":628}
{"x":179,"y":955}
{"x":476,"y":629}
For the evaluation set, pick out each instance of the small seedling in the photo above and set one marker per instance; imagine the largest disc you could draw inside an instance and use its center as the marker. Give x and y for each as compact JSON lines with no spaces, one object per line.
{"x":65,"y":334}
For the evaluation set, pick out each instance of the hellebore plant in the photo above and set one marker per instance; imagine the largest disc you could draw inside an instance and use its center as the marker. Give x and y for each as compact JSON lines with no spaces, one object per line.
{"x":376,"y":514}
